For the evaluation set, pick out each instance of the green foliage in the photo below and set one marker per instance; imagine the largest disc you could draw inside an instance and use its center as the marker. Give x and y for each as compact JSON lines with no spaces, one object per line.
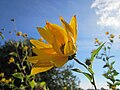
{"x":86,"y":74}
{"x":88,"y":66}
{"x":58,"y":78}
{"x":18,"y":70}
{"x":111,"y":72}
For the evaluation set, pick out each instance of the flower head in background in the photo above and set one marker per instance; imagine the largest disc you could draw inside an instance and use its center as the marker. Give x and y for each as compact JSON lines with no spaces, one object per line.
{"x":61,"y":45}
{"x":18,"y":33}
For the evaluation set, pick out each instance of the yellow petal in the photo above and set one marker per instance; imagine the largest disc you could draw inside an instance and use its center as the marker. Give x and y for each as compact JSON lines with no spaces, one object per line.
{"x":36,"y":70}
{"x":41,"y":52}
{"x":58,"y":47}
{"x":58,"y":32}
{"x":60,"y":61}
{"x":68,"y":28}
{"x":70,"y":49}
{"x":73,"y":24}
{"x":38,"y":44}
{"x":43,"y":64}
{"x":33,"y":59}
{"x":45,"y":33}
{"x":47,"y":56}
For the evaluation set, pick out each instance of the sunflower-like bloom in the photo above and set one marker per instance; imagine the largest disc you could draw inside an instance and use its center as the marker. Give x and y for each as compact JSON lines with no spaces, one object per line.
{"x":61,"y":45}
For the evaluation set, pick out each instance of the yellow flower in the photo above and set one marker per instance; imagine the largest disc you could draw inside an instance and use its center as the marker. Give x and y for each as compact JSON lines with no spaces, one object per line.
{"x":11,"y":60}
{"x":61,"y":44}
{"x":19,"y":33}
{"x":96,"y":40}
{"x":3,"y":80}
{"x":113,"y":87}
{"x":65,"y":88}
{"x":112,"y":35}
{"x":107,"y":33}
{"x":1,"y":74}
{"x":24,"y":35}
{"x":25,"y":48}
{"x":10,"y":80}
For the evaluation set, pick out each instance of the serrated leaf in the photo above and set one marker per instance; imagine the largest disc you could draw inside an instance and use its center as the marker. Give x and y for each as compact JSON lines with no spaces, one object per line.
{"x":13,"y":54}
{"x":86,"y":74}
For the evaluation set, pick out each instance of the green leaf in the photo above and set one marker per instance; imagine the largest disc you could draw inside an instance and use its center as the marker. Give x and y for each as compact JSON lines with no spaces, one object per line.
{"x":95,"y":53}
{"x":117,"y":83}
{"x":18,"y":75}
{"x":18,"y":65}
{"x":115,"y":73}
{"x":42,"y":83}
{"x":90,"y":70}
{"x":32,"y":83}
{"x":110,"y":84}
{"x":112,"y":63}
{"x":86,"y":74}
{"x":13,"y":54}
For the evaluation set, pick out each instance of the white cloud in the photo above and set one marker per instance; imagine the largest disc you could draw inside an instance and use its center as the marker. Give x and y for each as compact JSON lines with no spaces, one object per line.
{"x":108,"y":12}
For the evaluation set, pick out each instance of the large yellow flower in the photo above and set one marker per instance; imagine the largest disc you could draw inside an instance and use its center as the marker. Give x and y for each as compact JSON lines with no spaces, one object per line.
{"x":61,"y":45}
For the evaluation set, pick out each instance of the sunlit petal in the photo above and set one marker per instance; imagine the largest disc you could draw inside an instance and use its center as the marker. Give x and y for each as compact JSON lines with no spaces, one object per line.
{"x":70,"y":48}
{"x":73,"y":24}
{"x":45,"y":33}
{"x":58,"y":32}
{"x":33,"y":59}
{"x":38,"y":44}
{"x":36,"y":70}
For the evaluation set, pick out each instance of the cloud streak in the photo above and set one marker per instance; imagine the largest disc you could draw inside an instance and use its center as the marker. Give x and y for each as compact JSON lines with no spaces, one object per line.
{"x":108,"y":12}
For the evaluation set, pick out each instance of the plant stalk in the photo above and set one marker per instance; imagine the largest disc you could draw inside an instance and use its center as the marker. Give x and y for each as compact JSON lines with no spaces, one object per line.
{"x":93,"y":83}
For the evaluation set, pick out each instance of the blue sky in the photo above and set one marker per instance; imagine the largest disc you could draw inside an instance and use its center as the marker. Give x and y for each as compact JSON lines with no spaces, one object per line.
{"x":30,"y":14}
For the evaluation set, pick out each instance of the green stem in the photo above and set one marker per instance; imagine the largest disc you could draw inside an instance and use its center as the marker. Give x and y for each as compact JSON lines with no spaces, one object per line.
{"x":80,"y":62}
{"x":93,"y":83}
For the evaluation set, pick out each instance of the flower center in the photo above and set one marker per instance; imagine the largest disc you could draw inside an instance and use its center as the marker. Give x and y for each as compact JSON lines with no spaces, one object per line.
{"x":62,"y":48}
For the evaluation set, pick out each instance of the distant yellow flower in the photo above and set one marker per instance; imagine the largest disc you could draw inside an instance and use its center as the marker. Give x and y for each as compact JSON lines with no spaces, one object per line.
{"x":10,"y":80}
{"x":61,"y":44}
{"x":107,"y":33}
{"x":113,"y":87}
{"x":1,"y":74}
{"x":25,"y":48}
{"x":24,"y":35}
{"x":3,"y":80}
{"x":96,"y":40}
{"x":119,"y":36}
{"x":19,"y":33}
{"x":65,"y":88}
{"x":11,"y":60}
{"x":7,"y":81}
{"x":112,"y":35}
